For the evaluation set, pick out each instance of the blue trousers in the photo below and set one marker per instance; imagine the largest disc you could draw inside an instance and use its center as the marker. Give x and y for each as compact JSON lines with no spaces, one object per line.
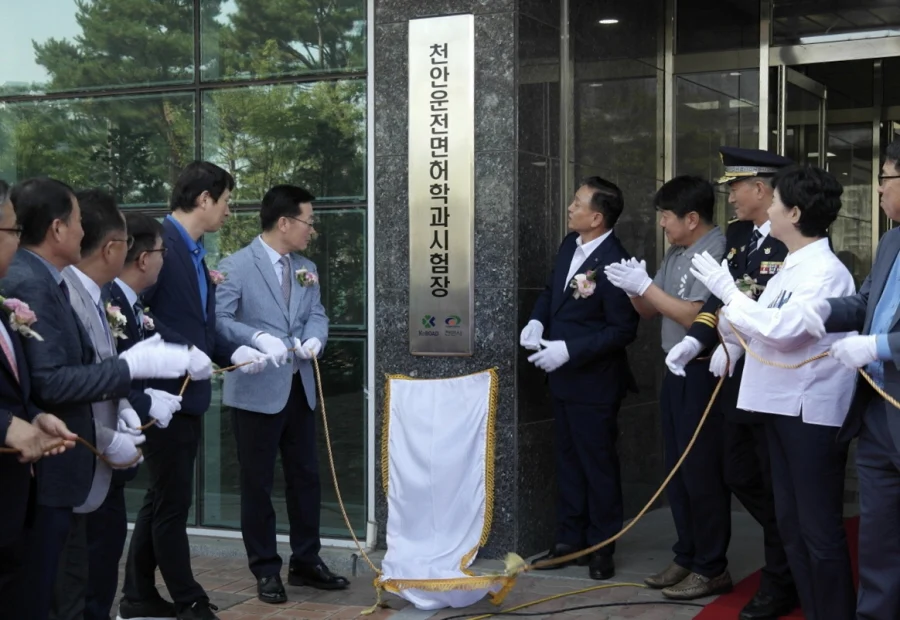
{"x":699,"y":500}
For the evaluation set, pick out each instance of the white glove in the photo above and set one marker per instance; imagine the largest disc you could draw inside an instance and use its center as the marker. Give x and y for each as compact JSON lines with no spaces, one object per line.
{"x":162,"y":406}
{"x":200,"y":366}
{"x":719,"y":363}
{"x":554,"y":355}
{"x":682,"y":353}
{"x":245,"y":354}
{"x":273,"y":347}
{"x":123,"y":450}
{"x":715,"y":277}
{"x":630,"y":276}
{"x":155,"y":359}
{"x":855,"y":351}
{"x":530,"y":338}
{"x":129,"y":422}
{"x":307,"y":350}
{"x":815,"y":313}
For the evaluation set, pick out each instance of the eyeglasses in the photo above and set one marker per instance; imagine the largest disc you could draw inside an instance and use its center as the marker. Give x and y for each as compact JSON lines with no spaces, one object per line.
{"x":16,"y":230}
{"x":884,"y":177}
{"x":163,"y":251}
{"x":310,"y":224}
{"x":128,"y":240}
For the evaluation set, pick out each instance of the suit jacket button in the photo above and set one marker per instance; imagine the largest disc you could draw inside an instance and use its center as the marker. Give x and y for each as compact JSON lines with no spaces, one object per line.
{"x":104,"y":397}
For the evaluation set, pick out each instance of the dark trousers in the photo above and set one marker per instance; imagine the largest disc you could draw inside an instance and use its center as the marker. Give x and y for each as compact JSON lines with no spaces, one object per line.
{"x":878,"y":467}
{"x":808,"y":479}
{"x":13,"y":579}
{"x":160,"y":530}
{"x":72,"y":575}
{"x":48,"y":538}
{"x":589,"y":505}
{"x":259,"y":438}
{"x":107,"y":528}
{"x":748,"y":474}
{"x":698,"y":497}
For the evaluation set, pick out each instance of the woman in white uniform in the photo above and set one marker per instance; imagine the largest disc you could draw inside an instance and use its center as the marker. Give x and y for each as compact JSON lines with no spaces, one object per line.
{"x":807,"y":404}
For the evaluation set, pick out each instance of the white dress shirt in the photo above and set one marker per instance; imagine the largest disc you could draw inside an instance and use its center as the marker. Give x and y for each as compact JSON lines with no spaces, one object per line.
{"x":275,"y":257}
{"x":582,"y":251}
{"x":773,"y":328}
{"x":763,"y":231}
{"x":130,"y":295}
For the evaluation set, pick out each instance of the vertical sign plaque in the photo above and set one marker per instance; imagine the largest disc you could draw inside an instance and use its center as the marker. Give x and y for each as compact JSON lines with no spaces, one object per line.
{"x":441,"y":185}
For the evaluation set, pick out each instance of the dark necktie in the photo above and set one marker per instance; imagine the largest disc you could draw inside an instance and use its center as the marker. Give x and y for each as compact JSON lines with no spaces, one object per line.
{"x":139,"y":319}
{"x":754,"y":242}
{"x":65,"y":289}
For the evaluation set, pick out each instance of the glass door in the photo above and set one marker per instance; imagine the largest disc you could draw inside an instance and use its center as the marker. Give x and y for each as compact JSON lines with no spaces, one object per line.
{"x":799,"y":111}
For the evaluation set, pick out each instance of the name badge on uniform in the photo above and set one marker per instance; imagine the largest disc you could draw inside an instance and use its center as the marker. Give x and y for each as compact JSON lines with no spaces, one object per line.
{"x":769,"y":268}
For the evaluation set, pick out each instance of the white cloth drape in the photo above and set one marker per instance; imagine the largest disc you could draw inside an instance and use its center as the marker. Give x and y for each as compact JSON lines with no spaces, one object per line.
{"x":438,"y":466}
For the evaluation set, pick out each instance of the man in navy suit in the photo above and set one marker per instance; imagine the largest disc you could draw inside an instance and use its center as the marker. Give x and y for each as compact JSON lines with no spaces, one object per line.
{"x":107,"y":526}
{"x":874,"y":313}
{"x":580,"y":327}
{"x":24,"y":428}
{"x":65,"y":376}
{"x":184,"y":299}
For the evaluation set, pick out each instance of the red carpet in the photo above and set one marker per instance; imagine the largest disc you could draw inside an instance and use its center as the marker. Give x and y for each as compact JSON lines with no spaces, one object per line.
{"x":728,"y":606}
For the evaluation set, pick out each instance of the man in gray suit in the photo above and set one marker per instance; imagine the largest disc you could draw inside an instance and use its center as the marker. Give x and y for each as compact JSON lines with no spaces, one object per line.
{"x":65,"y":377}
{"x":103,"y":250}
{"x":874,"y":313}
{"x":271,"y":300}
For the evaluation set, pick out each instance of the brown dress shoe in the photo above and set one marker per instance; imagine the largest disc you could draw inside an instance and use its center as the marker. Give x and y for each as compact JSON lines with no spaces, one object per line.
{"x":673,"y":574}
{"x":697,"y":586}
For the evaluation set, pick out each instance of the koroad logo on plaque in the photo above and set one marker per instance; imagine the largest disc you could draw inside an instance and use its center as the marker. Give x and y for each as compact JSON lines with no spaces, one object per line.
{"x":441,"y":185}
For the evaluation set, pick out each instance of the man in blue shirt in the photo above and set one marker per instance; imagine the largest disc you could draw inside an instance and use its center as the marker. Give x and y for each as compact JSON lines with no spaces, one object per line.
{"x":184,"y":301}
{"x":873,"y":312}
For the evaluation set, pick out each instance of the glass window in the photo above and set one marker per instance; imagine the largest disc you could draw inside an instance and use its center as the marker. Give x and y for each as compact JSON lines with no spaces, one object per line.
{"x":338,"y":250}
{"x":61,"y":45}
{"x":803,"y":22}
{"x":133,"y":147}
{"x":312,"y":135}
{"x":252,"y":39}
{"x":704,"y":26}
{"x":343,"y":369}
{"x":714,"y":110}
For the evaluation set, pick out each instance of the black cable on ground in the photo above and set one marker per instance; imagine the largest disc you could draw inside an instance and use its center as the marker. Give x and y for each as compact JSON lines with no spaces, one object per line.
{"x":577,"y":608}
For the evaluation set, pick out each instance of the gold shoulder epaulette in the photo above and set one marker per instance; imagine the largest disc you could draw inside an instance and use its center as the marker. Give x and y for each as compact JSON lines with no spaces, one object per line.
{"x":707,"y":318}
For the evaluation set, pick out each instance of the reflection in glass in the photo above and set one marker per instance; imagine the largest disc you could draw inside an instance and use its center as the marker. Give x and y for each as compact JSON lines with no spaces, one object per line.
{"x":133,"y":147}
{"x":615,"y":124}
{"x":338,"y":250}
{"x":343,"y":377}
{"x":252,"y":39}
{"x":61,"y":45}
{"x":714,"y":110}
{"x":313,"y":135}
{"x":850,"y":161}
{"x":704,"y":26}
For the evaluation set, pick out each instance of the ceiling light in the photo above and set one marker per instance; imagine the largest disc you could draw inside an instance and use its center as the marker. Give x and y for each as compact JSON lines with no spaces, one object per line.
{"x":609,"y":21}
{"x":735,"y":73}
{"x":849,"y":36}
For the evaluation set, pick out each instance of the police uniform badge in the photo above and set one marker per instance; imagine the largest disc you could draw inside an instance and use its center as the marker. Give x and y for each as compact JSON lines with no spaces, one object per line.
{"x":767,"y":251}
{"x":731,"y":253}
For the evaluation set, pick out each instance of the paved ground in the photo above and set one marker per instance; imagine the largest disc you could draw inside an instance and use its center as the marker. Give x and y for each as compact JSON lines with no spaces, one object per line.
{"x":220,"y":567}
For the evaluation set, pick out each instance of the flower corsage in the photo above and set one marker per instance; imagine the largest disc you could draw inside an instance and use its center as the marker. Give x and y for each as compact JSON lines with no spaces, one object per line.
{"x":306,"y":277}
{"x":21,"y":317}
{"x":749,"y":287}
{"x":584,"y":284}
{"x":217,"y":277}
{"x":116,"y":321}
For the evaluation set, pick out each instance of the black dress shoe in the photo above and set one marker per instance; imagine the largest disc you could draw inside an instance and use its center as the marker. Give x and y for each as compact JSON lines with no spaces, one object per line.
{"x":316,"y":576}
{"x":270,"y":589}
{"x":558,"y":551}
{"x":602,"y":567}
{"x":765,"y":606}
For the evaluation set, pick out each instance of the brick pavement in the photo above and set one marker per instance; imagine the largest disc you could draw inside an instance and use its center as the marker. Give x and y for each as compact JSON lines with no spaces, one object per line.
{"x":233,"y":589}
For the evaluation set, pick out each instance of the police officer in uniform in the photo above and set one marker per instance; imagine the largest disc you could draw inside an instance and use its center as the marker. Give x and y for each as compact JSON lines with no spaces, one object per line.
{"x":751,"y":253}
